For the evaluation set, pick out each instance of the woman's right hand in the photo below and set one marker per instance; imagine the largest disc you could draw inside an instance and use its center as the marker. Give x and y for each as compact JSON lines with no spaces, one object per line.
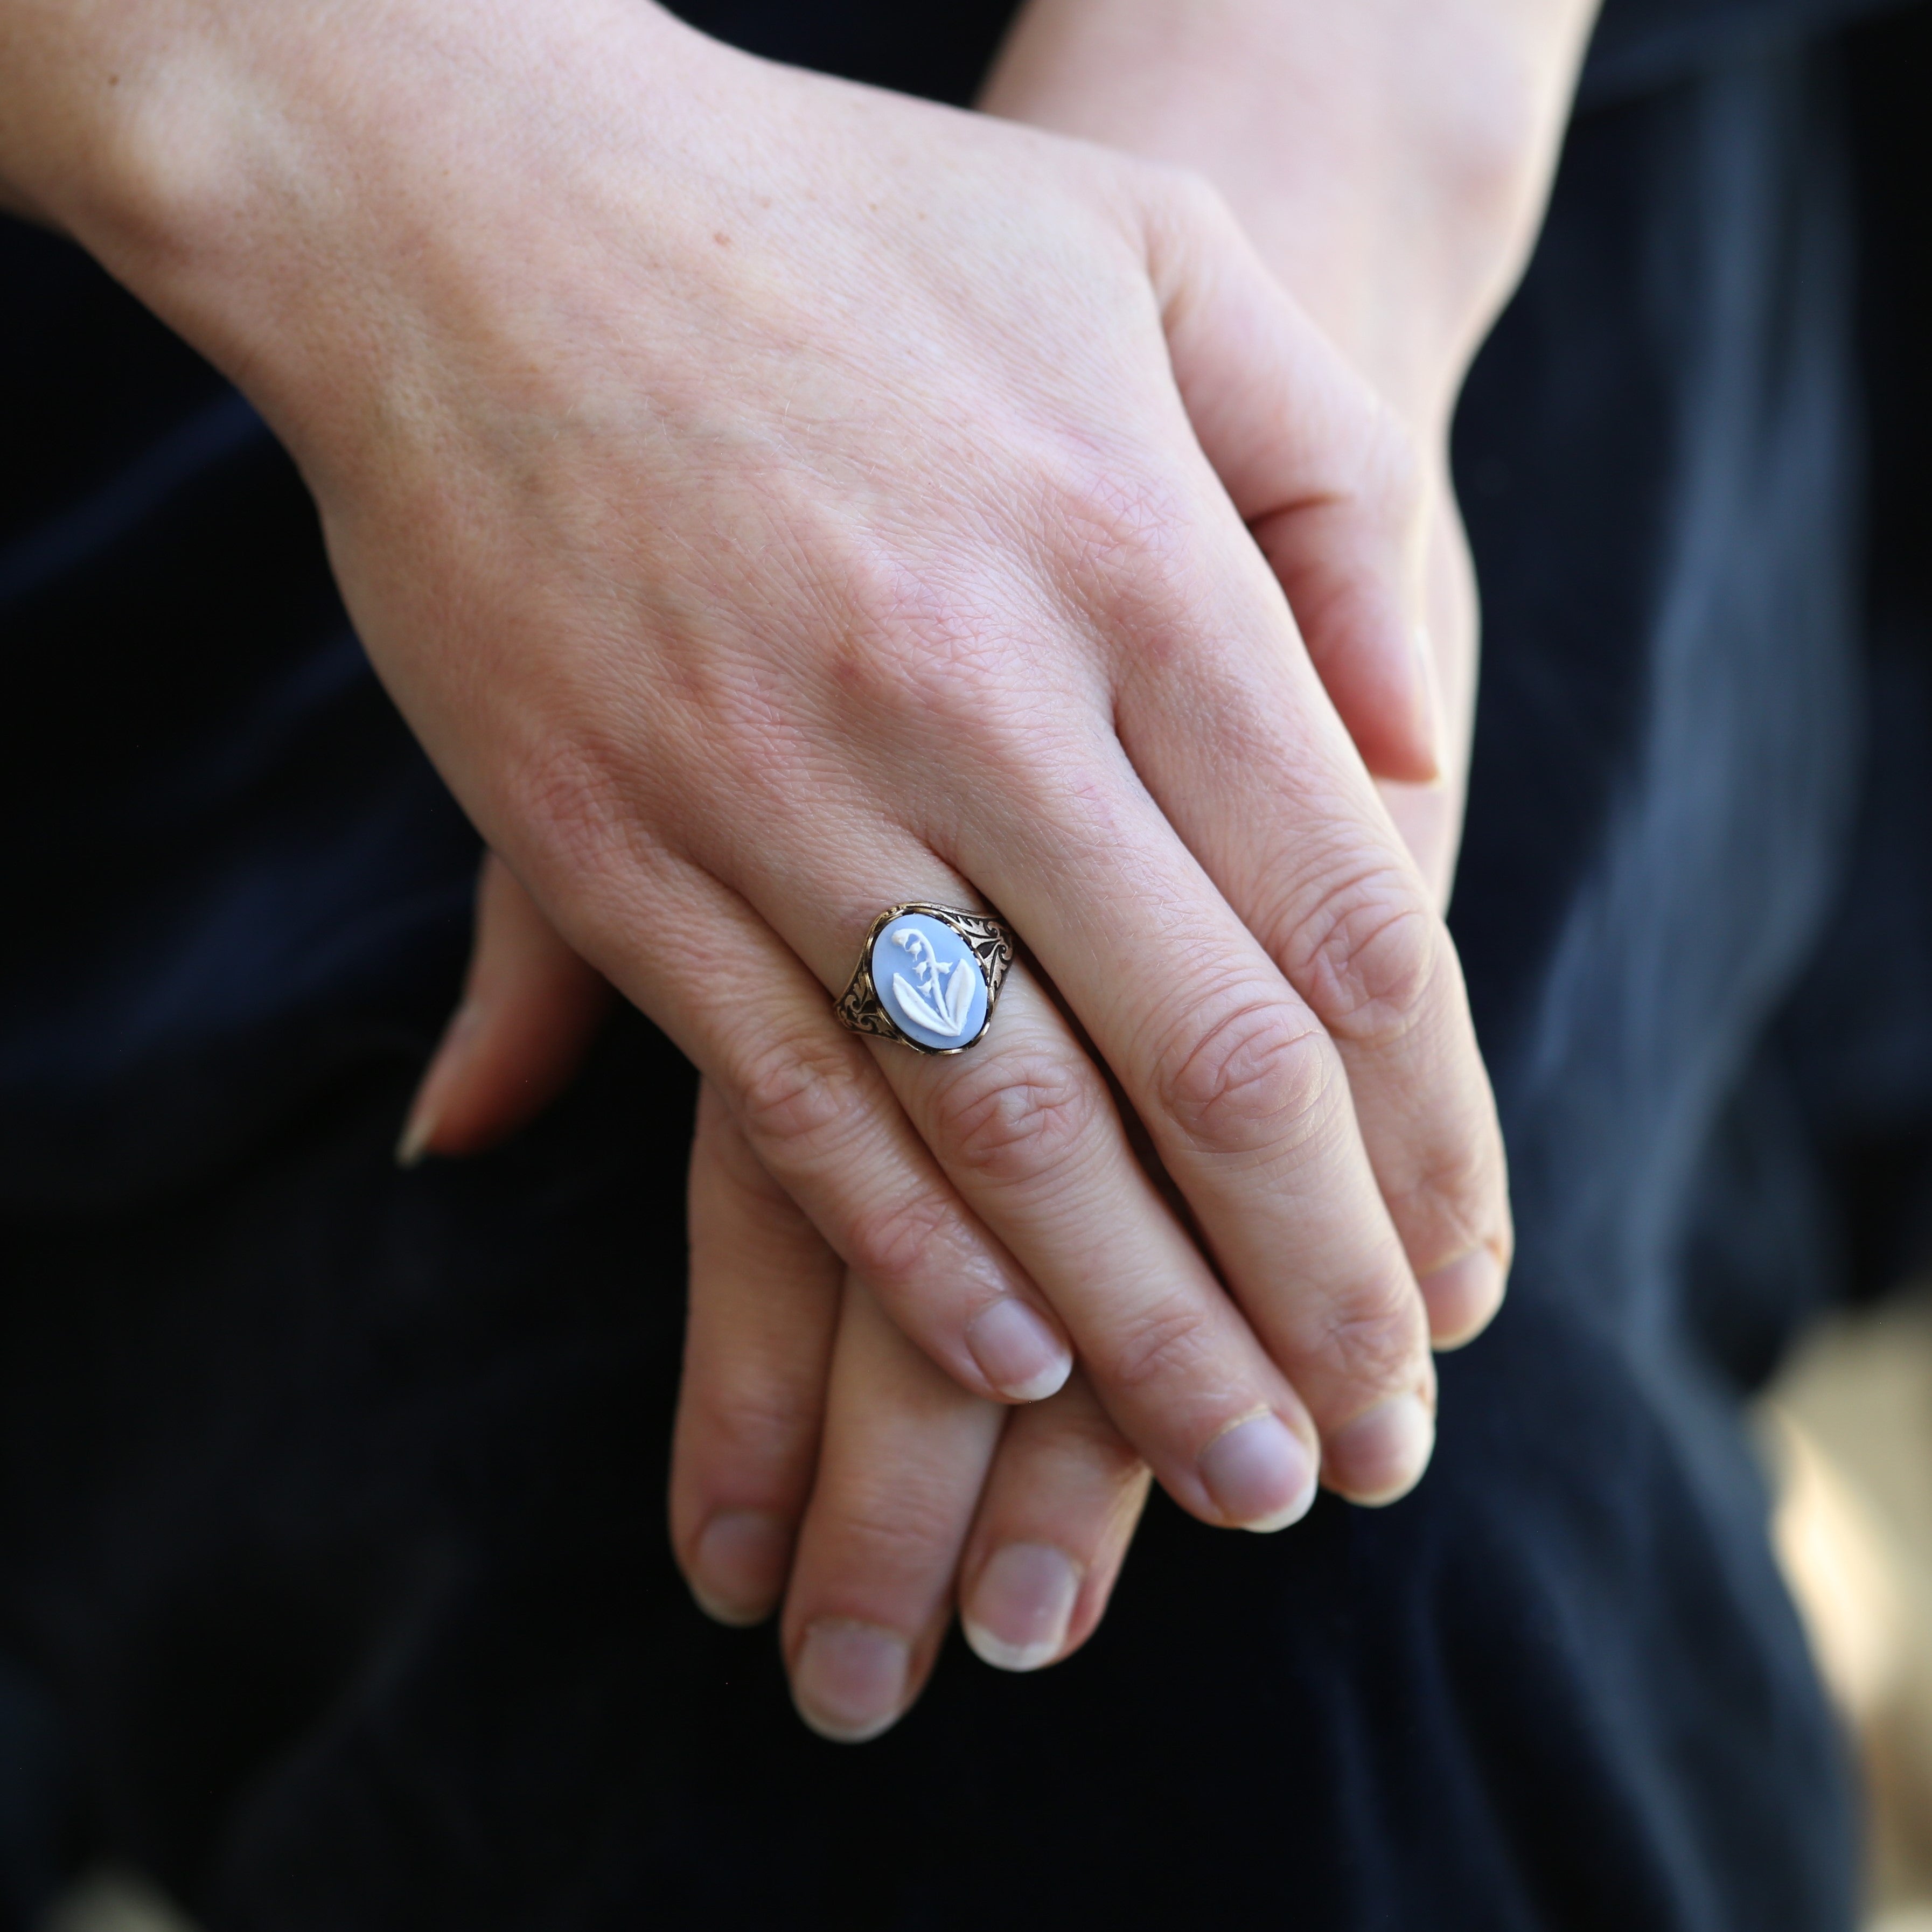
{"x":770,"y":500}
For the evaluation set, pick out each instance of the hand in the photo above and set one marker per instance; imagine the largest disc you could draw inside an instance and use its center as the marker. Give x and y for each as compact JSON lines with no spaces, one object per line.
{"x":818,"y":1456}
{"x":1405,"y":256}
{"x":1408,"y":279}
{"x":861,"y":1482}
{"x":891,"y":546}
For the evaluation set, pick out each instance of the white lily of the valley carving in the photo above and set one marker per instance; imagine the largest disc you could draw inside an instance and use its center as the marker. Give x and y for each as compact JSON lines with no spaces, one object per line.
{"x":940,"y":1007}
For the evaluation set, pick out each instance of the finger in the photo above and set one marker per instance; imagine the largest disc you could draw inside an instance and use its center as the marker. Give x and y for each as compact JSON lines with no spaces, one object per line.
{"x":1340,"y":507}
{"x":1058,"y":1512}
{"x":1245,"y":1100}
{"x":1430,"y":817}
{"x":1462,"y":1295}
{"x":827,"y":1128}
{"x":764,"y":1309}
{"x":1347,"y":919}
{"x":1030,"y":1134}
{"x":1034,"y":1135}
{"x":904,"y":1452}
{"x":529,"y":1010}
{"x":1024,"y":1128}
{"x":1320,"y":469}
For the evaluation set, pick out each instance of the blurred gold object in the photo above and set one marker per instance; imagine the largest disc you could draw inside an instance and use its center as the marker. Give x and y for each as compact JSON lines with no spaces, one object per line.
{"x":114,"y":1902}
{"x":1849,"y":1433}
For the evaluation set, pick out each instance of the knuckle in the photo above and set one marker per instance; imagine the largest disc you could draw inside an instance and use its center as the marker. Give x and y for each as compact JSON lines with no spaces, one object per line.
{"x":1375,"y":1338}
{"x":1254,"y":1076}
{"x":889,"y":1243}
{"x":952,"y":680}
{"x":892,"y":1519}
{"x":1102,"y":1449}
{"x":569,"y":801}
{"x":753,"y":1416}
{"x":1162,"y":1347}
{"x":939,"y":669}
{"x":1183,"y":198}
{"x":727,"y":1176}
{"x":900,"y":647}
{"x":1483,"y":136}
{"x":1200,"y":197}
{"x":800,"y":1104}
{"x":1020,"y":1121}
{"x":1121,"y":539}
{"x":1370,"y":957}
{"x":1453,"y":1199}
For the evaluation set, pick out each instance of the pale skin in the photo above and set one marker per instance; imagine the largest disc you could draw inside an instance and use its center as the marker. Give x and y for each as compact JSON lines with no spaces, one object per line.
{"x":756,"y":490}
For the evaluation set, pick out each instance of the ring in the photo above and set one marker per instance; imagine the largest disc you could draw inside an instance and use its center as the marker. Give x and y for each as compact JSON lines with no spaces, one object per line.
{"x":928,"y":976}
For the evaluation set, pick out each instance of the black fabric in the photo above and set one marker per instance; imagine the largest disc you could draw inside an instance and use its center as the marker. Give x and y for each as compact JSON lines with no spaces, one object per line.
{"x":938,"y":52}
{"x":233,"y":872}
{"x":1638,"y":46}
{"x":1641,"y":45}
{"x":333,"y":1584}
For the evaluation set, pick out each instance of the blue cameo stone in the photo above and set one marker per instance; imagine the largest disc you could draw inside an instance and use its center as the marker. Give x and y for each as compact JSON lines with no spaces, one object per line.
{"x":927,"y":978}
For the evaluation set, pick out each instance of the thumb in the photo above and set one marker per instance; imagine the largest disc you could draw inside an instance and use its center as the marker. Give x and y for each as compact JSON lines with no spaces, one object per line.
{"x":1319,"y":468}
{"x":530,"y":1008}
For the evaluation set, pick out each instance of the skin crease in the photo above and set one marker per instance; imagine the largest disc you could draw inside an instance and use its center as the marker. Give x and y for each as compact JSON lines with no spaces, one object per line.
{"x":277,"y":200}
{"x":1063,"y":1484}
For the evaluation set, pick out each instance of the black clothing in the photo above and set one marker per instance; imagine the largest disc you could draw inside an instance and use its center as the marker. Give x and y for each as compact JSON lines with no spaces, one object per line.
{"x":332,"y":1572}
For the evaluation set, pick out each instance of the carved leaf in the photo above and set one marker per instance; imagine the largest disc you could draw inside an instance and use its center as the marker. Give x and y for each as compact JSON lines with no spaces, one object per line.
{"x":964,"y":974}
{"x":913,"y":1004}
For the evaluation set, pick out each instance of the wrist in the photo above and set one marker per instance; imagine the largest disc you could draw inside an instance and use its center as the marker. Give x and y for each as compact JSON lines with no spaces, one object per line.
{"x":276,"y":182}
{"x":127,"y":123}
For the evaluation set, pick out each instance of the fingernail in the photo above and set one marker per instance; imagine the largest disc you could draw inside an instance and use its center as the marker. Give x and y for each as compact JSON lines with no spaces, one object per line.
{"x":416,"y":1131}
{"x":850,"y":1681}
{"x":1260,"y":1474}
{"x":1021,"y":1605}
{"x":1429,"y":704}
{"x":738,"y":1565}
{"x":1381,"y":1454}
{"x":1017,"y":1352}
{"x":1461,"y":1297}
{"x":426,"y":1109}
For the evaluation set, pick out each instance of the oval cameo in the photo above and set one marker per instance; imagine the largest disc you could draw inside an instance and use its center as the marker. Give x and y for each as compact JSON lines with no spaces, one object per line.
{"x":927,"y":978}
